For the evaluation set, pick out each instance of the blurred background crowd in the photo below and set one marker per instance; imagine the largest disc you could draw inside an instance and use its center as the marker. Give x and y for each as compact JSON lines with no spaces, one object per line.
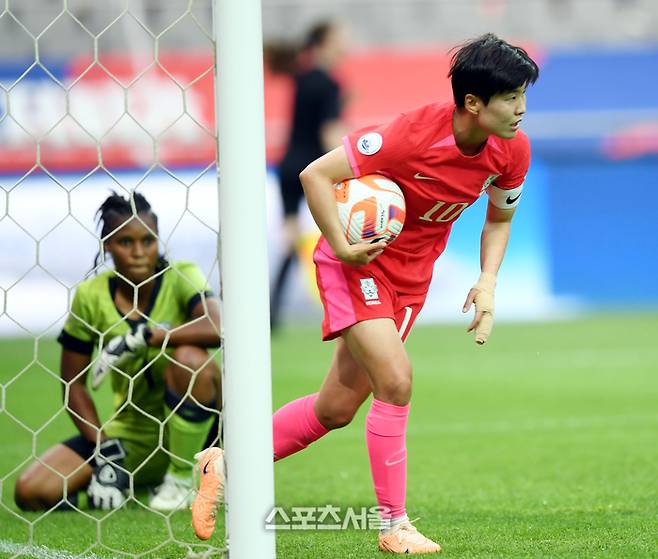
{"x":120,"y":96}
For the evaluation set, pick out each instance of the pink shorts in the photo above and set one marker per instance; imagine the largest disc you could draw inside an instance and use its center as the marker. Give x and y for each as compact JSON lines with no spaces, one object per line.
{"x":352,"y":294}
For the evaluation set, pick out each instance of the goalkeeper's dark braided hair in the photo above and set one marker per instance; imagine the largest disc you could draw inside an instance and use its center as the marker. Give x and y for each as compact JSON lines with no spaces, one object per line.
{"x":115,"y":210}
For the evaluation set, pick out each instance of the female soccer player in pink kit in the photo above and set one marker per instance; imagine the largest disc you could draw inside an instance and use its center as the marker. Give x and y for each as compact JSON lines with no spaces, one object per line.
{"x":443,"y":157}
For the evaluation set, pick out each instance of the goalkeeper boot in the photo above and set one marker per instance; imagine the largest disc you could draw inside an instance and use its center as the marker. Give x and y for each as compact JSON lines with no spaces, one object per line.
{"x":211,"y":491}
{"x":405,"y":539}
{"x":175,"y":493}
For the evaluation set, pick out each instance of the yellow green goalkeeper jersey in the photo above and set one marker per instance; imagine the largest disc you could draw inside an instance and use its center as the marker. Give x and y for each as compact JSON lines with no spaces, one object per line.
{"x":93,"y":313}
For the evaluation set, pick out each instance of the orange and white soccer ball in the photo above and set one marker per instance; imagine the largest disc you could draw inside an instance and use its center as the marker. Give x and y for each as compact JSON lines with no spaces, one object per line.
{"x":370,"y":208}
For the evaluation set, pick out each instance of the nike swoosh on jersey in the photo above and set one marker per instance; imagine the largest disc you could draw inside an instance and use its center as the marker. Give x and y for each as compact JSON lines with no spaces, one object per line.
{"x":510,"y":201}
{"x":424,"y":178}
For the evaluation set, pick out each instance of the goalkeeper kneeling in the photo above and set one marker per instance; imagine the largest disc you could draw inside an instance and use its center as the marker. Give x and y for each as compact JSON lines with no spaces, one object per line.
{"x":151,"y":324}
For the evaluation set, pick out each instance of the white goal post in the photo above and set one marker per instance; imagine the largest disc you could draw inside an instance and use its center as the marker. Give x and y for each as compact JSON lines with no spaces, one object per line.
{"x":243,"y":257}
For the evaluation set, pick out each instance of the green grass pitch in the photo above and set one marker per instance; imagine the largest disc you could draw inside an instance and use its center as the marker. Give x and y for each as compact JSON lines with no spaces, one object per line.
{"x":543,"y":443}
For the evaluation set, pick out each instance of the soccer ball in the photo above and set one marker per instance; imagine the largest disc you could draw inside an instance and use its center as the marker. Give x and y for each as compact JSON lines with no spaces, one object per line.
{"x":370,"y":208}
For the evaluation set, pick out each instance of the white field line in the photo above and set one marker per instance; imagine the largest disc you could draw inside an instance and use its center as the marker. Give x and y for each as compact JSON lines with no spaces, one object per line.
{"x":41,"y":551}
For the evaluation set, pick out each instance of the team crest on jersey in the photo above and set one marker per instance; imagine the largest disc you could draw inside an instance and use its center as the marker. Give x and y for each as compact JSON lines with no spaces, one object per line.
{"x":370,"y":292}
{"x":369,"y":143}
{"x":488,"y":182}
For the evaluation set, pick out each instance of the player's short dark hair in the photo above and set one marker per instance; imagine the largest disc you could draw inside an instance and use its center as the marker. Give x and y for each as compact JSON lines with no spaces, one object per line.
{"x":487,"y":66}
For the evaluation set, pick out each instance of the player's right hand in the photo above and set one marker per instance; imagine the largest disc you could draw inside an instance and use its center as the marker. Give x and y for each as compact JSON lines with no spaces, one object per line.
{"x":360,"y":254}
{"x":482,"y":295}
{"x":108,"y":488}
{"x":117,"y":351}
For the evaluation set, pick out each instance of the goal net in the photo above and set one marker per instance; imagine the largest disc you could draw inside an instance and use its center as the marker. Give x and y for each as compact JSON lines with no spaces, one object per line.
{"x":96,"y":97}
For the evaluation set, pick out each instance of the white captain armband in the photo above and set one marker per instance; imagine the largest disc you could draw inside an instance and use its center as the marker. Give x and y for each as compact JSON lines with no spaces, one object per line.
{"x":505,"y":199}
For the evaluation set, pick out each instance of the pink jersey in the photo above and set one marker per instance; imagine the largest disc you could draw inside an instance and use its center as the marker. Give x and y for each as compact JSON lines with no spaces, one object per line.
{"x":417,"y":150}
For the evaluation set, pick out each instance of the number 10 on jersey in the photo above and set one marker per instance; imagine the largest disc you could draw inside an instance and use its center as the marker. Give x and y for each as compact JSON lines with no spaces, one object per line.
{"x":439,"y":213}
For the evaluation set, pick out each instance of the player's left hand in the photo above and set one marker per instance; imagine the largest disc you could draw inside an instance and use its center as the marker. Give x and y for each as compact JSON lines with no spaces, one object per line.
{"x":117,"y":351}
{"x":482,"y":294}
{"x":360,"y":254}
{"x":109,"y":485}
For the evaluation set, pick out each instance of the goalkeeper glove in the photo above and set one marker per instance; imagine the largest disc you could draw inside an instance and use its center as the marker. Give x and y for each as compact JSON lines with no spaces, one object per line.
{"x":482,"y":294}
{"x":108,"y":488}
{"x":118,"y":351}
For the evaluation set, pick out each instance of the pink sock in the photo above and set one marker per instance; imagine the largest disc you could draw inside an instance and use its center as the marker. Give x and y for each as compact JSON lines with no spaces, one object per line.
{"x":386,"y":426}
{"x":295,"y":426}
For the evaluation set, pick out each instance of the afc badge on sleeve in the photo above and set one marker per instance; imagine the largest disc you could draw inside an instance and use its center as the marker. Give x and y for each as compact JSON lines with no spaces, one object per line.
{"x":369,"y":143}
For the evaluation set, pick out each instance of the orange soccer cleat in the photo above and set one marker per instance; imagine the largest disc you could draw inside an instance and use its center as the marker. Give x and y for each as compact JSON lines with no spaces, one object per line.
{"x":406,"y":539}
{"x":211,"y":491}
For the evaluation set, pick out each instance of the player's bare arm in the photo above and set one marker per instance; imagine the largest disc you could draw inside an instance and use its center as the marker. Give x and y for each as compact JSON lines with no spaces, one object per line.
{"x":318,"y":181}
{"x":495,"y":235}
{"x":73,"y":370}
{"x":202,"y":330}
{"x":493,"y":243}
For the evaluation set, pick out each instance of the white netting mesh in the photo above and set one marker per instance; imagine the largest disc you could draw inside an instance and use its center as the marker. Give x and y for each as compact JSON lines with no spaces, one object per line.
{"x":94,"y":97}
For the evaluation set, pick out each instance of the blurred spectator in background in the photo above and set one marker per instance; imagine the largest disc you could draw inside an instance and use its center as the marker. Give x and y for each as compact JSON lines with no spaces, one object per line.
{"x":316,"y":126}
